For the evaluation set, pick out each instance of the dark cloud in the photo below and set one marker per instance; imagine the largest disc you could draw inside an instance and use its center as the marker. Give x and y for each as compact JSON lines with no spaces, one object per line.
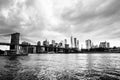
{"x":95,"y":19}
{"x":98,"y":19}
{"x":79,"y":14}
{"x":111,"y":9}
{"x":29,"y":2}
{"x":5,"y":3}
{"x":16,"y":20}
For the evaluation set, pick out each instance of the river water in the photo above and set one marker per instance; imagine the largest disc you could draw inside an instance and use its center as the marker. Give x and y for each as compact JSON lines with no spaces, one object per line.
{"x":61,"y":67}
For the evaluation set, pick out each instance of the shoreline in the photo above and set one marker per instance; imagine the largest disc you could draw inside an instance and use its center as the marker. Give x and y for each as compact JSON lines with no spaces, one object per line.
{"x":63,"y":53}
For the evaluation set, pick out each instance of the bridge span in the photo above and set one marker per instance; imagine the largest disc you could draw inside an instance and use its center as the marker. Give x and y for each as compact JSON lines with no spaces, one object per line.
{"x":15,"y":46}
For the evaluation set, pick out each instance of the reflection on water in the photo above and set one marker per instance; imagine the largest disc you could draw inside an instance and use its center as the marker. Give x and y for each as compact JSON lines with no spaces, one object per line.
{"x":61,"y":67}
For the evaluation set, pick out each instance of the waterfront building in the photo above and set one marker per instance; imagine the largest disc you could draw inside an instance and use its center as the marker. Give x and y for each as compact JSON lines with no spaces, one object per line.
{"x":60,"y":45}
{"x":81,"y":46}
{"x":108,"y":45}
{"x":88,"y":44}
{"x":104,"y":45}
{"x":38,"y":43}
{"x":66,"y":45}
{"x":92,"y":45}
{"x":78,"y":44}
{"x":96,"y":46}
{"x":75,"y":42}
{"x":53,"y":42}
{"x":45,"y":43}
{"x":65,"y":41}
{"x":56,"y":45}
{"x":71,"y":40}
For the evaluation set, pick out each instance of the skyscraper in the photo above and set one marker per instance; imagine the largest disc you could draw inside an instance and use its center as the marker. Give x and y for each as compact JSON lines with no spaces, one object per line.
{"x":78,"y":44}
{"x":71,"y":42}
{"x":46,"y":43}
{"x":65,"y":41}
{"x":38,"y":43}
{"x":108,"y":45}
{"x":61,"y":44}
{"x":53,"y":42}
{"x":104,"y":45}
{"x":75,"y":42}
{"x":88,"y":44}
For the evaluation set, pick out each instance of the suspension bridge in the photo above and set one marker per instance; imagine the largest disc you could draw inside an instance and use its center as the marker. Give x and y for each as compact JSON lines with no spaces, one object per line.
{"x":15,"y":46}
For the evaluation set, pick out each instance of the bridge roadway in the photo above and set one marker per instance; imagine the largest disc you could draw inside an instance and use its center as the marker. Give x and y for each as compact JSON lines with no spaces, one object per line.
{"x":8,"y":44}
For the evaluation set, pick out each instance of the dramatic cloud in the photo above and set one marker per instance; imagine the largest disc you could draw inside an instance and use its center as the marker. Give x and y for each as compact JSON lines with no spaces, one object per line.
{"x":98,"y":20}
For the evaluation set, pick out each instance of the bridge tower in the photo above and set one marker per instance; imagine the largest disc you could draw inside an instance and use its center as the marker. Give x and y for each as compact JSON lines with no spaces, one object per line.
{"x":15,"y":42}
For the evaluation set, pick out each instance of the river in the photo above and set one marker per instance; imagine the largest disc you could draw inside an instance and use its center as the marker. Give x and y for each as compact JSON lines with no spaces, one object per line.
{"x":61,"y":67}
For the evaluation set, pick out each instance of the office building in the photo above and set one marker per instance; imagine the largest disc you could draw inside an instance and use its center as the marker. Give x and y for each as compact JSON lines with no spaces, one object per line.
{"x":92,"y":45}
{"x":56,"y":44}
{"x":88,"y":44}
{"x":53,"y":42}
{"x":45,"y":43}
{"x":104,"y":45}
{"x":60,"y":44}
{"x":71,"y":40}
{"x":75,"y":42}
{"x":38,"y":43}
{"x":65,"y":41}
{"x":66,"y":45}
{"x":108,"y":45}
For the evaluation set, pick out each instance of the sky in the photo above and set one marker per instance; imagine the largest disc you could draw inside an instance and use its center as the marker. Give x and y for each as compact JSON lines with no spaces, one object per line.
{"x":37,"y":20}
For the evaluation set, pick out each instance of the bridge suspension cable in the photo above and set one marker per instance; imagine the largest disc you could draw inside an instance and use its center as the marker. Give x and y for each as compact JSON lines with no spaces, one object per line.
{"x":5,"y":35}
{"x":27,"y":39}
{"x":23,"y":38}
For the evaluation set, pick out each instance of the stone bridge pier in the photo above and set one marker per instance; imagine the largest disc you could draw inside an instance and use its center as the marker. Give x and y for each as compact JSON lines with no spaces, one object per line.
{"x":14,"y":47}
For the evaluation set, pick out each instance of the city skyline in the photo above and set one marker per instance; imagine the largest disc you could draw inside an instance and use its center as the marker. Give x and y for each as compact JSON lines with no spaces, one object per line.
{"x":38,"y":20}
{"x":74,"y":43}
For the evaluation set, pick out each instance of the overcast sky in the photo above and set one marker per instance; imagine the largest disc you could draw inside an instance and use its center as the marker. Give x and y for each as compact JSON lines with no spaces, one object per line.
{"x":98,"y":20}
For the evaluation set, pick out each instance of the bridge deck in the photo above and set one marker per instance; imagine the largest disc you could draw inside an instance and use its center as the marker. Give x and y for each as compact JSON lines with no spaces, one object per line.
{"x":8,"y":44}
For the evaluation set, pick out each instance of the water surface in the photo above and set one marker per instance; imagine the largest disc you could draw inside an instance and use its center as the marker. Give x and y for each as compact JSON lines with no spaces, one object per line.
{"x":61,"y":67}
